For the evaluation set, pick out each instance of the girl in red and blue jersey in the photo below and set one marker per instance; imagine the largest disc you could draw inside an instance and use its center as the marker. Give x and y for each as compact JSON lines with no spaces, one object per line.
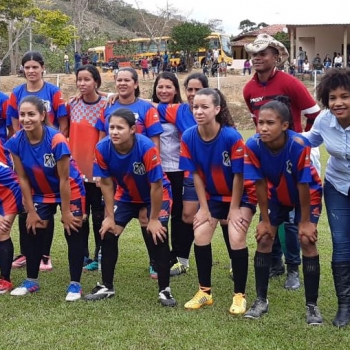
{"x":10,"y":206}
{"x":34,"y":66}
{"x":83,"y":137}
{"x":133,"y":161}
{"x":48,"y":176}
{"x":278,"y":160}
{"x":147,"y":123}
{"x":213,"y":151}
{"x":4,"y":154}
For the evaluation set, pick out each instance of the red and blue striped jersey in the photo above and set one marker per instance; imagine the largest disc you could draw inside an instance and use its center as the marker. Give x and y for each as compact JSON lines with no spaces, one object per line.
{"x":51,"y":96}
{"x":179,"y":115}
{"x":4,"y":154}
{"x":283,"y":170}
{"x":216,"y":161}
{"x":147,"y":118}
{"x":40,"y":164}
{"x":10,"y":192}
{"x":134,"y":172}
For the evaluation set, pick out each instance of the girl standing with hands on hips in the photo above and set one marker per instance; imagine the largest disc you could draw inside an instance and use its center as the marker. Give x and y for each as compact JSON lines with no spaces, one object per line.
{"x":48,"y":176}
{"x":278,"y":160}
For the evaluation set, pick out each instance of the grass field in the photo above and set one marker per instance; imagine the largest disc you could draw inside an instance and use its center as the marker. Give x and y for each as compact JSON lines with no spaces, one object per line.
{"x":134,"y":320}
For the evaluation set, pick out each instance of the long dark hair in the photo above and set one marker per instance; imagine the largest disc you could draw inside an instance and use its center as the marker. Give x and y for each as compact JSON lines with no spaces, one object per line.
{"x":168,"y":76}
{"x":224,"y":117}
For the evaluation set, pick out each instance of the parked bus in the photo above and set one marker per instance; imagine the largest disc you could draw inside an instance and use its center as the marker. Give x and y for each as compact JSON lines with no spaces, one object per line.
{"x":134,"y":49}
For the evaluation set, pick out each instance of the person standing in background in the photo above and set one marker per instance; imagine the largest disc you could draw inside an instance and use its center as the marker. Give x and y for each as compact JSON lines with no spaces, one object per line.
{"x":66,"y":63}
{"x":266,"y":84}
{"x":77,"y":61}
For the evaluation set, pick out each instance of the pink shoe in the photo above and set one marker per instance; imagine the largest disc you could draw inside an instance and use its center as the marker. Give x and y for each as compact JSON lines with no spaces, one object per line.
{"x":19,"y":261}
{"x":45,"y":266}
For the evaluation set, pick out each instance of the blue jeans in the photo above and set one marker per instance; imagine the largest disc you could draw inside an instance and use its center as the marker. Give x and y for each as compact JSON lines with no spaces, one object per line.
{"x":292,"y":244}
{"x":67,"y":67}
{"x":338,"y":213}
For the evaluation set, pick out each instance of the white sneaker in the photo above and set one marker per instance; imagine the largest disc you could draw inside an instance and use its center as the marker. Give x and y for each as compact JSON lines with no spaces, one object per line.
{"x":74,"y":292}
{"x":26,"y":287}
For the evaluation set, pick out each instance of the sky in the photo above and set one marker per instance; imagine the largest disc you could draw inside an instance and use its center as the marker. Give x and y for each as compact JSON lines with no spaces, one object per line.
{"x":232,"y":12}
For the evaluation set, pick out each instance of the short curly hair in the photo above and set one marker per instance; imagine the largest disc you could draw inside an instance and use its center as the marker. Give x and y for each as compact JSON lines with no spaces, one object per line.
{"x":332,"y":80}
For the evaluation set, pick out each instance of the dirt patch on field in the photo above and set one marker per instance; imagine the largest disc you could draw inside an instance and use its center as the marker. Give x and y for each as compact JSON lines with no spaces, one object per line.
{"x":231,"y":86}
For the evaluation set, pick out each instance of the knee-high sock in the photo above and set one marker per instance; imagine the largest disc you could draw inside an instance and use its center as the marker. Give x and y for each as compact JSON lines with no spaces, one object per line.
{"x":239,"y":263}
{"x":6,"y":256}
{"x":311,"y":270}
{"x":204,"y":261}
{"x":262,"y":262}
{"x":109,"y":250}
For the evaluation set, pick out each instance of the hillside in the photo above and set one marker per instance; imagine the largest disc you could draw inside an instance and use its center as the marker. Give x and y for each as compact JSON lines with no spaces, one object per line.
{"x":99,"y":23}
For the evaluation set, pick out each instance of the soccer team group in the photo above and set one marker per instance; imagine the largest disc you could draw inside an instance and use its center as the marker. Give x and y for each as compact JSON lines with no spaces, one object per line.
{"x":184,"y":163}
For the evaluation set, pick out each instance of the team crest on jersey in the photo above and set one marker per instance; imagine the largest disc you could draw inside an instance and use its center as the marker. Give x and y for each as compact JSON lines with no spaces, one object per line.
{"x":136,"y":116}
{"x":226,"y":158}
{"x":49,"y":160}
{"x":139,"y":168}
{"x":289,"y":166}
{"x":47,"y":105}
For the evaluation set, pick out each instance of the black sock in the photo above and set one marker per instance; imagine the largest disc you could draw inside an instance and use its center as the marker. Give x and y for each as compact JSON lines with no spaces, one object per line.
{"x":147,"y":237}
{"x":239,"y":263}
{"x":48,"y":238}
{"x":34,"y":251}
{"x":109,"y":251}
{"x":262,"y":262}
{"x":22,"y":219}
{"x":6,"y":255}
{"x":162,"y":259}
{"x":224,"y":229}
{"x":97,"y":218}
{"x":311,"y":270}
{"x":204,"y":261}
{"x":85,"y":228}
{"x":187,"y":237}
{"x":76,"y":247}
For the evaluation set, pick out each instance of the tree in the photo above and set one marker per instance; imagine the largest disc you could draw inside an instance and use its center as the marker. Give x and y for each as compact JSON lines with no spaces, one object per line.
{"x":53,"y":24}
{"x":246,"y":26}
{"x":15,"y":25}
{"x":188,"y":38}
{"x":215,"y":25}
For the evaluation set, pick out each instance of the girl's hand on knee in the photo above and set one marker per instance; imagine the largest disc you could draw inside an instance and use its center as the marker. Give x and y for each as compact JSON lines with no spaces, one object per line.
{"x":263,"y":228}
{"x":309,"y":230}
{"x":201,"y":217}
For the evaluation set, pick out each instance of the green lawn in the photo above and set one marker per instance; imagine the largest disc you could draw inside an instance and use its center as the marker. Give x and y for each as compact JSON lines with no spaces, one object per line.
{"x":134,"y":320}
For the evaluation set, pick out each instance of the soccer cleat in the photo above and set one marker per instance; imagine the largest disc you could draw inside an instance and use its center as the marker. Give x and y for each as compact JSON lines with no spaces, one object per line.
{"x":99,"y":292}
{"x":178,"y":269}
{"x":74,"y":292}
{"x":93,"y":266}
{"x":200,"y":299}
{"x":313,"y":315}
{"x":153,"y":273}
{"x":45,"y":264}
{"x":5,"y":286}
{"x":239,"y":304}
{"x":293,"y":281}
{"x":277,"y":269}
{"x":19,"y":261}
{"x":165,"y":297}
{"x":26,"y":287}
{"x":259,"y":308}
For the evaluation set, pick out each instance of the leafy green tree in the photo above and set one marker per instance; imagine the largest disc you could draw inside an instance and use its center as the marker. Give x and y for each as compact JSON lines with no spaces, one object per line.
{"x":188,"y":38}
{"x":52,"y":24}
{"x":283,"y":38}
{"x":247,"y":26}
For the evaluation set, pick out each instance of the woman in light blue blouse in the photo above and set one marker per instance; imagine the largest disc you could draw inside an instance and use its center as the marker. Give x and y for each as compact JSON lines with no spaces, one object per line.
{"x":332,"y":127}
